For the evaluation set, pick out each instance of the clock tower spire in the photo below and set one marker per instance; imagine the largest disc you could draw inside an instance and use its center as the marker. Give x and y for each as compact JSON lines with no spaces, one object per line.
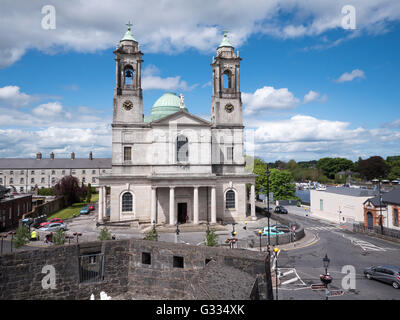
{"x":128,"y":99}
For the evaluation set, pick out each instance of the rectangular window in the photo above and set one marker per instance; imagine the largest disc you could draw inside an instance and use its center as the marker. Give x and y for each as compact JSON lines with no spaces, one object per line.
{"x":93,"y":171}
{"x":42,"y":180}
{"x":72,"y":171}
{"x":21,"y":180}
{"x":21,"y":172}
{"x":11,"y":180}
{"x":127,"y":153}
{"x":321,"y":204}
{"x":93,"y":179}
{"x":146,"y":258}
{"x":43,"y":171}
{"x":33,"y":172}
{"x":11,"y":172}
{"x":32,"y":180}
{"x":83,"y":171}
{"x":84,"y":180}
{"x":91,"y":268}
{"x":229,"y":153}
{"x":63,"y":172}
{"x":53,"y":172}
{"x":396,"y":217}
{"x":178,"y":262}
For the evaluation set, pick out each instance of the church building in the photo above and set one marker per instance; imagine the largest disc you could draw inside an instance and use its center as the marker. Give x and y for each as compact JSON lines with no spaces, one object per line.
{"x":172,"y":166}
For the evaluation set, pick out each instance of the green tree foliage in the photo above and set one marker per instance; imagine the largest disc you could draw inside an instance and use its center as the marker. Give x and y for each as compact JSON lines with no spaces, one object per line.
{"x":69,"y":187}
{"x":281,"y":183}
{"x":211,"y":239}
{"x":152,"y":235}
{"x":21,"y":236}
{"x":331,"y":166}
{"x":59,"y":237}
{"x":45,"y":192}
{"x":373,"y":167}
{"x":105,"y":234}
{"x":89,"y":193}
{"x":260,"y":169}
{"x":394,"y":173}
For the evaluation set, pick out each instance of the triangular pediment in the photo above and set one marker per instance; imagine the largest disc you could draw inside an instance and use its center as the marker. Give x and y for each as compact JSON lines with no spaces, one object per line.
{"x":182,"y":118}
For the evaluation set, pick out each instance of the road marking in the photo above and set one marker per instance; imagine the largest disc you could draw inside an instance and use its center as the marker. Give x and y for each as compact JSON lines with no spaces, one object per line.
{"x":323,"y":228}
{"x":365,"y":245}
{"x":294,"y":278}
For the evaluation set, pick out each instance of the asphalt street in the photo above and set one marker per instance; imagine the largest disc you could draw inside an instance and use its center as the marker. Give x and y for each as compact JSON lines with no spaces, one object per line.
{"x":344,"y":248}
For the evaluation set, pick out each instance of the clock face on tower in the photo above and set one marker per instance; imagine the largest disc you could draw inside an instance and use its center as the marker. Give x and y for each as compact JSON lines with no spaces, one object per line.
{"x":128,"y":105}
{"x":229,"y":108}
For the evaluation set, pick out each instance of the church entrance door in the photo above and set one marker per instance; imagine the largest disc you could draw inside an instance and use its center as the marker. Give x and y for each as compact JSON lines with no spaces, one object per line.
{"x":182,"y":212}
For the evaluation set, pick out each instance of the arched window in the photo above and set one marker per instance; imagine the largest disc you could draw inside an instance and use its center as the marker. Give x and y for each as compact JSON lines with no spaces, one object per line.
{"x":182,"y":148}
{"x":230,"y":199}
{"x":127,"y":202}
{"x":128,"y":75}
{"x":227,"y":79}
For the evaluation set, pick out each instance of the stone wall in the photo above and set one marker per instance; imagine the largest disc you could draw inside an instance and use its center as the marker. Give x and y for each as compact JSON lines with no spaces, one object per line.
{"x":47,"y":208}
{"x":126,"y":270}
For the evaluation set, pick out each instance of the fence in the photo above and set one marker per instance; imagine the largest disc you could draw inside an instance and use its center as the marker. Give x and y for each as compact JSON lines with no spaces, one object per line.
{"x":390,"y":234}
{"x":91,"y":268}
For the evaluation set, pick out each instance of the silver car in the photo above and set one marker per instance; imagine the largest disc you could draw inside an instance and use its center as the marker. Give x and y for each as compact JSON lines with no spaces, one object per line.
{"x":54,"y":227}
{"x":388,"y":274}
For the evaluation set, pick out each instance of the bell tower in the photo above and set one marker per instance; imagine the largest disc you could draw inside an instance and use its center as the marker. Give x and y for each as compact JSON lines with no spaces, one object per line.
{"x":226,"y":102}
{"x":128,"y":99}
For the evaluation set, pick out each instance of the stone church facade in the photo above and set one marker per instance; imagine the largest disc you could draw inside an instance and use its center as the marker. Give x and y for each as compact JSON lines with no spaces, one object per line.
{"x":173,"y":166}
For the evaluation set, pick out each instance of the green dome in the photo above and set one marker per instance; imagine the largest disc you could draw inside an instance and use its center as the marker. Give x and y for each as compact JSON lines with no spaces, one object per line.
{"x":167,"y":104}
{"x":225,"y":41}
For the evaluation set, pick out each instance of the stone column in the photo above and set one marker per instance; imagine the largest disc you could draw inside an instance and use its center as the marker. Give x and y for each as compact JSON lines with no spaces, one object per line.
{"x":153,"y":216}
{"x":213,"y":206}
{"x":104,"y":202}
{"x":172,"y":218}
{"x":100,"y":213}
{"x":196,"y":205}
{"x":253,"y":202}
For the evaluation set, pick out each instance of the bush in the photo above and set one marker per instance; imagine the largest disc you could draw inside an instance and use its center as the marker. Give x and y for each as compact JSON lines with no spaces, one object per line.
{"x":104,"y":234}
{"x":152,"y":235}
{"x":59,"y":237}
{"x":211,"y":238}
{"x":21,"y":237}
{"x":45,"y":192}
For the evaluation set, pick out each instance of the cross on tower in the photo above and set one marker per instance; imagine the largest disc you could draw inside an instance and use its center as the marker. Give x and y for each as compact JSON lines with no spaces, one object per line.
{"x":129,"y":24}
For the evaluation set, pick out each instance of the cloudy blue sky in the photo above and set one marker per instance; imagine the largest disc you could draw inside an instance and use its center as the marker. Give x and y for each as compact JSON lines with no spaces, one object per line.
{"x":311,"y":87}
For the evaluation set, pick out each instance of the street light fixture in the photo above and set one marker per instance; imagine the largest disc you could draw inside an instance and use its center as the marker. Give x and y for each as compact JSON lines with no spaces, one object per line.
{"x":326,"y":278}
{"x":260,"y":233}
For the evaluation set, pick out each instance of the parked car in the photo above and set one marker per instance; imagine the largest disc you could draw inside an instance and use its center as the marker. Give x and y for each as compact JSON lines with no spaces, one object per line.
{"x":84,"y":210}
{"x":54,"y":227}
{"x":280,"y":209}
{"x":282,"y":228}
{"x":38,"y":220}
{"x":388,"y":274}
{"x":272,"y":231}
{"x":27,"y":222}
{"x":91,"y":207}
{"x":51,"y":221}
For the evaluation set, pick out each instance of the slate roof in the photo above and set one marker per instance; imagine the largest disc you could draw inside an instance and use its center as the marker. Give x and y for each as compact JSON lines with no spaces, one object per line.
{"x":392,"y":197}
{"x":66,"y":163}
{"x":354,"y":192}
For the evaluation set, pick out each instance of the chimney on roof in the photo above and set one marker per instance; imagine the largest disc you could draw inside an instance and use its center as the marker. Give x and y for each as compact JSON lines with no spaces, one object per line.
{"x":39,"y":156}
{"x":72,"y":155}
{"x":90,"y":155}
{"x":52,"y":156}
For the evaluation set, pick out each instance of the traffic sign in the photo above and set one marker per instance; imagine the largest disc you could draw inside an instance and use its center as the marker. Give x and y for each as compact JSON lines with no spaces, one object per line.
{"x":334,"y":293}
{"x":318,"y":287}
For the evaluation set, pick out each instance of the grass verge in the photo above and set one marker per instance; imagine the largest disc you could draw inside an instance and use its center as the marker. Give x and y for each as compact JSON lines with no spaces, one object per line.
{"x":74,"y":209}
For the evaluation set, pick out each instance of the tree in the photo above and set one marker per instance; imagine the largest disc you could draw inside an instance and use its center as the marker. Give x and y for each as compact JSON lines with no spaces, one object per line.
{"x":331,"y":166}
{"x":281,"y":183}
{"x":21,"y":237}
{"x":394,"y":170}
{"x":59,"y":237}
{"x":211,"y":238}
{"x":373,"y":167}
{"x":89,"y":193}
{"x":260,"y":169}
{"x":152,"y":235}
{"x":69,"y":187}
{"x":104,"y":234}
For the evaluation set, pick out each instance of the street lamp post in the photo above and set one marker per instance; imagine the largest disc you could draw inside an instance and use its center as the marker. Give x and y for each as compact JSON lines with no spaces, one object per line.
{"x":260,"y":234}
{"x":177,"y":232}
{"x":326,"y":278}
{"x":12,"y":237}
{"x":268,"y":213}
{"x":276,"y":250}
{"x":378,"y":182}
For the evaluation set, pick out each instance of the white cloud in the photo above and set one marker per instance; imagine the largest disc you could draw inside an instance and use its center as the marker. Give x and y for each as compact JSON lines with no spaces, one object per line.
{"x":268,"y":98}
{"x":175,"y":26}
{"x":11,"y":95}
{"x":50,"y":110}
{"x":151,"y":80}
{"x":314,"y":96}
{"x":346,"y":77}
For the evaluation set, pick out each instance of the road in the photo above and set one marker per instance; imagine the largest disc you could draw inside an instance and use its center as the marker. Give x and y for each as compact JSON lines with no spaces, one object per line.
{"x":343,"y":248}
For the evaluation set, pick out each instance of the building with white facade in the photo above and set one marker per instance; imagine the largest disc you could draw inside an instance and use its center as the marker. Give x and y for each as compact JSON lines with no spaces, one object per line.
{"x":339,"y":204}
{"x":24,"y":174}
{"x":173,"y":166}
